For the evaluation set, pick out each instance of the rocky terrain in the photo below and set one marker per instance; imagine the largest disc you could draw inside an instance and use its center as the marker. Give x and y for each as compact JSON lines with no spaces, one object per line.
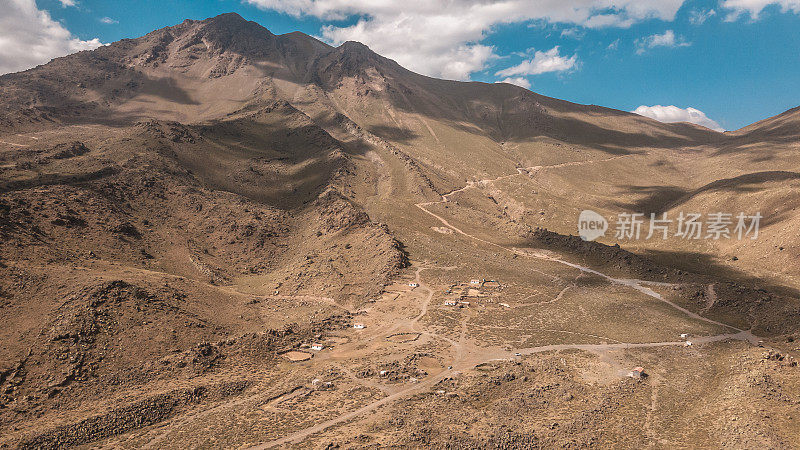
{"x":214,"y":236}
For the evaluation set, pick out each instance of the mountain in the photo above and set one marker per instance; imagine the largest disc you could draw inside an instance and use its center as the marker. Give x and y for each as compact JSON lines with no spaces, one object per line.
{"x":783,"y":126}
{"x":184,"y":214}
{"x":229,"y":62}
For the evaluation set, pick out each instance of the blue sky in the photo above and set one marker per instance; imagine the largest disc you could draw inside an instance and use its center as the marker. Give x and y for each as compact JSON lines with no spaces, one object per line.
{"x":734,"y":61}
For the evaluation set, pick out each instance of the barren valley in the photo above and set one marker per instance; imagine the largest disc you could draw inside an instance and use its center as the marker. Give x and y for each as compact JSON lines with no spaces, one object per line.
{"x":213,"y":236}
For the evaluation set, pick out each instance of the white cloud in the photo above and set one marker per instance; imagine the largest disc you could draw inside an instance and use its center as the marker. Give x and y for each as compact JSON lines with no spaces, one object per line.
{"x":29,"y":36}
{"x":672,"y":113}
{"x":542,"y":62}
{"x":109,"y":21}
{"x":614,"y":45}
{"x":517,"y":81}
{"x":698,"y":17}
{"x":408,"y":41}
{"x":443,"y":37}
{"x":754,"y":7}
{"x":574,"y":33}
{"x":65,"y":3}
{"x":668,"y":39}
{"x":609,"y":20}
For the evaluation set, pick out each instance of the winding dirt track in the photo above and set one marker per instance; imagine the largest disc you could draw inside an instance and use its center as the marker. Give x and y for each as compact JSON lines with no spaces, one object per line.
{"x":465,"y":359}
{"x":638,"y":285}
{"x":15,"y":145}
{"x":466,"y":363}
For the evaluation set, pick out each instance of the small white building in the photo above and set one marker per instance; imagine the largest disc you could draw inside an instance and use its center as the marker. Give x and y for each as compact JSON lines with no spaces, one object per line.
{"x":637,"y":372}
{"x":450,"y":303}
{"x":687,"y":344}
{"x":684,"y":335}
{"x":359,"y":326}
{"x":475,"y":281}
{"x":413,"y":284}
{"x":317,"y":347}
{"x":322,"y":385}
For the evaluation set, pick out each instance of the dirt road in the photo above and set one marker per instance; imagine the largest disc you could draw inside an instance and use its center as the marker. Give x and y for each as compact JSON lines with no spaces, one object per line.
{"x":466,"y":357}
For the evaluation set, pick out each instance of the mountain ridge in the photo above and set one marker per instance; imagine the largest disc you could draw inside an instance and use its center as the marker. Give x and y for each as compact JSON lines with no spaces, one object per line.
{"x":227,"y":42}
{"x":230,"y":37}
{"x":215,"y":236}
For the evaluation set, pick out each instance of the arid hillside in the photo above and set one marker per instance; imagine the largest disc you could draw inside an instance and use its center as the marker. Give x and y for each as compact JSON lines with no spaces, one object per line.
{"x":216,"y":236}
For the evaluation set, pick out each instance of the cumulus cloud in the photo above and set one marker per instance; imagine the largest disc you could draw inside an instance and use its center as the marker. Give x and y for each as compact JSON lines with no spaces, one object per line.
{"x":65,"y":3}
{"x":754,"y":7}
{"x":670,"y":114}
{"x":518,"y":81}
{"x":542,"y":62}
{"x":443,"y":37}
{"x":408,"y":41}
{"x":29,"y":36}
{"x":109,"y":21}
{"x":668,"y":39}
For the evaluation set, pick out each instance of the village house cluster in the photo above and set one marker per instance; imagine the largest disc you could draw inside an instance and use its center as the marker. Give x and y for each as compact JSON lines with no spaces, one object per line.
{"x":461,"y":295}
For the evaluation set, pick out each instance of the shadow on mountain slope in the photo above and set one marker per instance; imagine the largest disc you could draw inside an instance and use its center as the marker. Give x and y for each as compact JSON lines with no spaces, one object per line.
{"x":658,"y":199}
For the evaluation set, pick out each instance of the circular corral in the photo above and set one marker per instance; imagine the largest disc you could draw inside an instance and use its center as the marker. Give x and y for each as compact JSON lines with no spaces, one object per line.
{"x":295,"y":356}
{"x":403,"y":337}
